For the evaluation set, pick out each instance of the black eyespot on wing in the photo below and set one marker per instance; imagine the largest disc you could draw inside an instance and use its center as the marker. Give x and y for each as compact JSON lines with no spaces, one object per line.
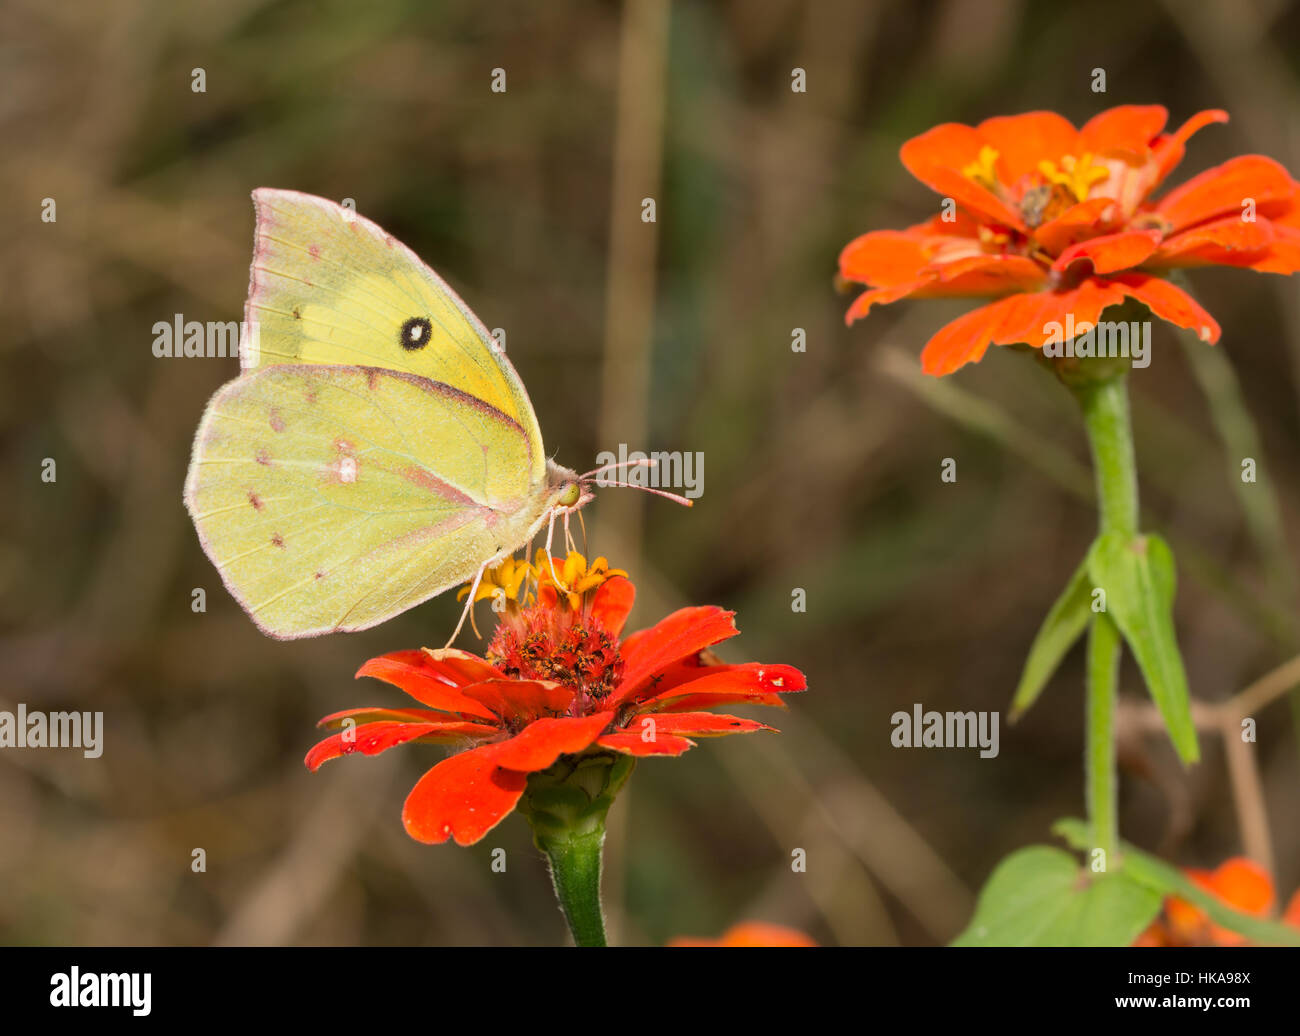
{"x":415,"y":333}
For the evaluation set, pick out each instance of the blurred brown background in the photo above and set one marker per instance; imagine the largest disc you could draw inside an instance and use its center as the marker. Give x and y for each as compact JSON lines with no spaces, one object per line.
{"x":822,"y":468}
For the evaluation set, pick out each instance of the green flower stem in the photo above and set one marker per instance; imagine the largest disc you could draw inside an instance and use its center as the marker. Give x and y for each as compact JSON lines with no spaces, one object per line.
{"x":1110,"y":436}
{"x":575,"y":872}
{"x":1103,"y":683}
{"x":566,"y":806}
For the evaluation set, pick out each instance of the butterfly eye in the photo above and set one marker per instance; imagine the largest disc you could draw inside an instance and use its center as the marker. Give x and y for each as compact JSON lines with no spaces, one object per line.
{"x":415,"y":333}
{"x":570,"y":495}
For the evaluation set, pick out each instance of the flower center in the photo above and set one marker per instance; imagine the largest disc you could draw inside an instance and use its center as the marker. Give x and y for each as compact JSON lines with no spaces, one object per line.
{"x":981,"y":171}
{"x":541,"y":643}
{"x":1076,"y":175}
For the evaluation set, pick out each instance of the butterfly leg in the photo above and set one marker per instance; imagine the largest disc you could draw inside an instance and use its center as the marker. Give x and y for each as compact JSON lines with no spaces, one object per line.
{"x":550,"y":558}
{"x":469,"y":603}
{"x":568,"y":534}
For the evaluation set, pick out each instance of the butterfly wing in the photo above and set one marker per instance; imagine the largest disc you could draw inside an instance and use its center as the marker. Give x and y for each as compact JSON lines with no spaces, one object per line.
{"x":330,"y":287}
{"x":331,"y":498}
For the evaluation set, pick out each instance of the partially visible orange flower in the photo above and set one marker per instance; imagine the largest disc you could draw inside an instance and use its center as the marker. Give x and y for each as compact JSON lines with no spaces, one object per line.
{"x":559,"y":680}
{"x":749,"y":933}
{"x":1238,"y":882}
{"x":1050,"y":220}
{"x":1292,"y":913}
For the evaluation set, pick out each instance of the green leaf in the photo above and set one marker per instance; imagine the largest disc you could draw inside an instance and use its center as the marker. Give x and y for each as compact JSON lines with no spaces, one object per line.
{"x":1138,"y":577}
{"x":1062,"y":627}
{"x":1040,"y":896}
{"x":1153,"y":873}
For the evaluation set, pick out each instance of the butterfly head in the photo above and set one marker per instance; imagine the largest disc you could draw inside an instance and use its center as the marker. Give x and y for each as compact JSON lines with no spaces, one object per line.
{"x":572,"y":492}
{"x":569,"y":491}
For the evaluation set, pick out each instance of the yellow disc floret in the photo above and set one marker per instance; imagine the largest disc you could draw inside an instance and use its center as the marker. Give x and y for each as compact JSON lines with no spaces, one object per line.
{"x":507,"y":580}
{"x":981,"y":170}
{"x":1076,"y":175}
{"x":574,"y":577}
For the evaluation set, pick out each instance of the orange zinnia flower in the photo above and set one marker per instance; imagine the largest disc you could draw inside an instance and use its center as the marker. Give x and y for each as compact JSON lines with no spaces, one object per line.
{"x":557,"y":681}
{"x":750,"y":933}
{"x":1239,"y":882}
{"x":1052,"y":221}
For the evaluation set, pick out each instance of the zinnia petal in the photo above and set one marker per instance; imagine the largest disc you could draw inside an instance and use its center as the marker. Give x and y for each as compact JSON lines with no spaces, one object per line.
{"x":1292,"y":913}
{"x":1112,"y":252}
{"x":369,"y":713}
{"x":631,"y":742}
{"x":889,"y":257}
{"x":686,"y":631}
{"x":746,"y":682}
{"x":1169,"y":302}
{"x":1079,"y":222}
{"x":693,"y":702}
{"x":612,"y":603}
{"x":702,"y":724}
{"x":544,"y":740}
{"x":430,"y":682}
{"x":1022,"y":141}
{"x":1283,"y":255}
{"x":973,"y":276}
{"x":950,"y":145}
{"x":961,"y":341}
{"x":936,"y":158}
{"x":983,"y":275}
{"x":1128,"y":128}
{"x":1168,"y":149}
{"x":1224,"y":189}
{"x":970,"y":195}
{"x":463,"y":797}
{"x":1016,"y":319}
{"x":459,"y":667}
{"x":369,"y":739}
{"x":1241,"y":883}
{"x":750,"y":934}
{"x":522,"y":699}
{"x":879,"y":297}
{"x":1227,"y":242}
{"x":884,"y":258}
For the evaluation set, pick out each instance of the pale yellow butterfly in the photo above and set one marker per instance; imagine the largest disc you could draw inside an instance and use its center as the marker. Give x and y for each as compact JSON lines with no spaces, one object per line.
{"x":378,"y":448}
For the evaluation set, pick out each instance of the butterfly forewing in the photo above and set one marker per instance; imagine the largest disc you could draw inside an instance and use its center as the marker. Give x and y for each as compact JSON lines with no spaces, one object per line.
{"x":330,"y":287}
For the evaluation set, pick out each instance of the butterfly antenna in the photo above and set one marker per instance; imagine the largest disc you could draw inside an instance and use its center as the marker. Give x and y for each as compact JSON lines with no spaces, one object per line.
{"x":644,"y":462}
{"x":676,"y":498}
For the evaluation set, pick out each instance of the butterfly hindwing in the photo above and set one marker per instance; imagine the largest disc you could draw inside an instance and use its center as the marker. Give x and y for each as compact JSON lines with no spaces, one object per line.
{"x":333,"y":497}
